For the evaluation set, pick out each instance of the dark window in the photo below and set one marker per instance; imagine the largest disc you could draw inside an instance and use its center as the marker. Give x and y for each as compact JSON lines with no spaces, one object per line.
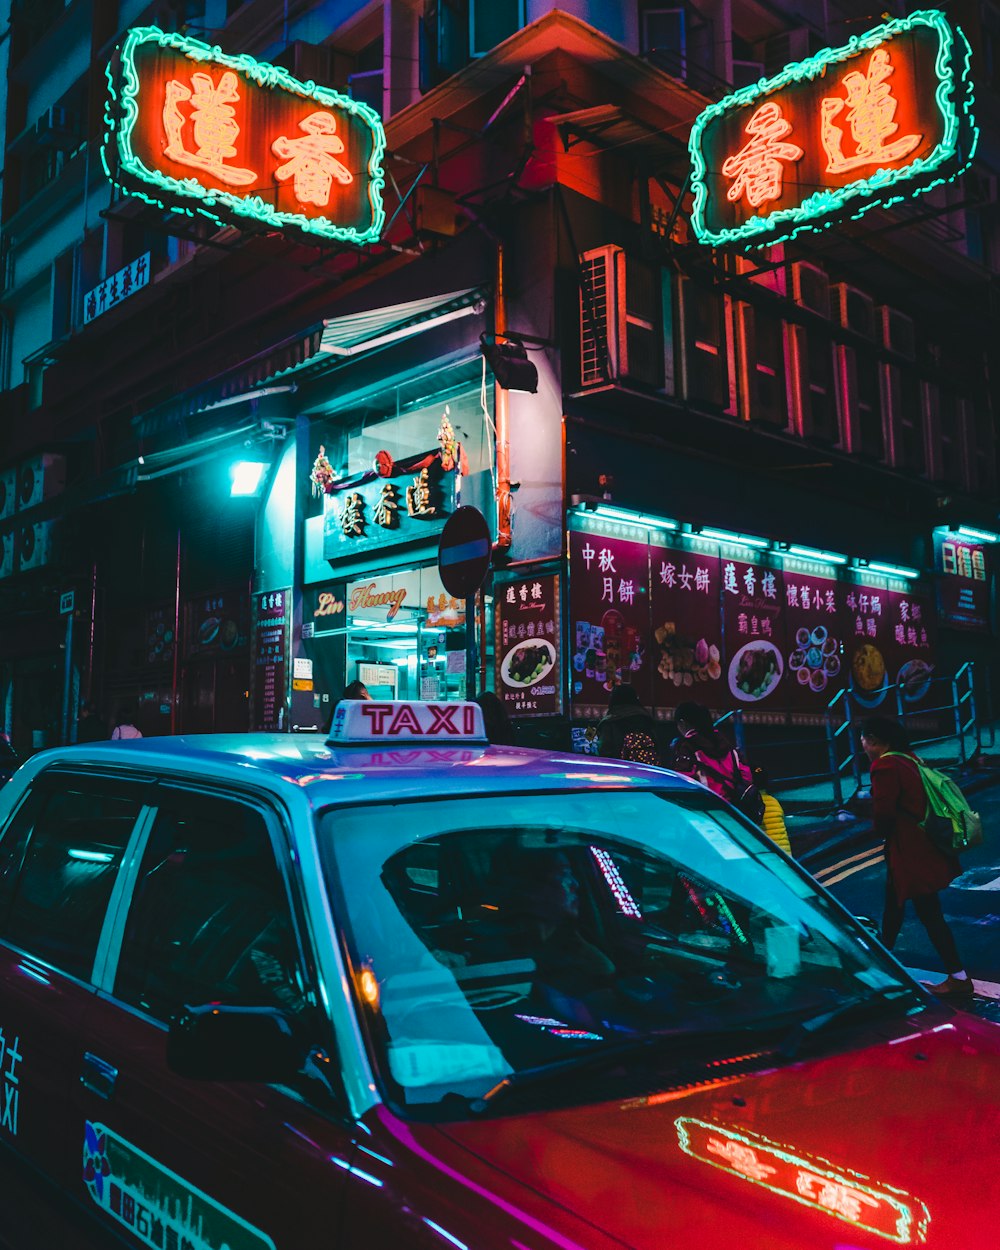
{"x":493,"y":21}
{"x":74,"y":842}
{"x":210,"y":919}
{"x":822,"y":405}
{"x":872,"y":440}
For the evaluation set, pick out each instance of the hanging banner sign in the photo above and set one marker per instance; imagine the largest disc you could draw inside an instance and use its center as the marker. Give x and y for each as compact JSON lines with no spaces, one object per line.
{"x":239,"y":140}
{"x":964,"y":581}
{"x":887,"y":115}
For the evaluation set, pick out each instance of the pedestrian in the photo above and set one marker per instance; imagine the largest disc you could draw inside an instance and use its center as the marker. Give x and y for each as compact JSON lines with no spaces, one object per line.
{"x":125,"y":726}
{"x":356,"y":690}
{"x":701,"y":752}
{"x":499,"y":729}
{"x":88,"y":724}
{"x":773,"y":822}
{"x":628,"y":731}
{"x":915,"y":869}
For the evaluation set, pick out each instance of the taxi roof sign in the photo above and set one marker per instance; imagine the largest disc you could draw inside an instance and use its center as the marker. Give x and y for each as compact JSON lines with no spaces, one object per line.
{"x":364,"y":721}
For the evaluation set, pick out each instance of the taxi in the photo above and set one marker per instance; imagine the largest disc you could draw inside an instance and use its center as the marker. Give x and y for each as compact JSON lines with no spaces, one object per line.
{"x":401,"y":988}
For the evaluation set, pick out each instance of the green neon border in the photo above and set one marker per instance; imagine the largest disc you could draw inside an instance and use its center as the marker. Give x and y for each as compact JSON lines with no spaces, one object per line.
{"x":118,"y":135}
{"x":786,"y":223}
{"x":913,"y":1217}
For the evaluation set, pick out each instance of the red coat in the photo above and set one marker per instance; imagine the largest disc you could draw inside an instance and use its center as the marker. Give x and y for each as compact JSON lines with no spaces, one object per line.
{"x":916,"y":866}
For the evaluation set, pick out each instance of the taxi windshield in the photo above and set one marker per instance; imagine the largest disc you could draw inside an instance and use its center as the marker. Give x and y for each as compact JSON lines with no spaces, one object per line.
{"x":493,"y":937}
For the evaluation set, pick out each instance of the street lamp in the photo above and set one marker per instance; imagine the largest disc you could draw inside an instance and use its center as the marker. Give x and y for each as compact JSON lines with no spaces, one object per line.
{"x":247,"y":476}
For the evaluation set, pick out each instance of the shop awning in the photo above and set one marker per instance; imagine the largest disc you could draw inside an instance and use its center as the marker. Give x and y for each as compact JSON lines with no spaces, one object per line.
{"x":284,"y":366}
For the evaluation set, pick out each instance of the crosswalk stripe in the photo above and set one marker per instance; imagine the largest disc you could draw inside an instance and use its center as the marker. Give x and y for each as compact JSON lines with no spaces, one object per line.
{"x":842,"y":863}
{"x":848,"y":872}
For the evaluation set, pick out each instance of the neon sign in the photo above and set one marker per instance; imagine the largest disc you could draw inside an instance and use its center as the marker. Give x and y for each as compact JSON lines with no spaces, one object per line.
{"x":835,"y":135}
{"x":194,"y":130}
{"x":880,"y":1209}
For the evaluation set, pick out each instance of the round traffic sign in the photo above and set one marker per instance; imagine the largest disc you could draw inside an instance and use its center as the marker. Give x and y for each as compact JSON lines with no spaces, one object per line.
{"x":464,"y":552}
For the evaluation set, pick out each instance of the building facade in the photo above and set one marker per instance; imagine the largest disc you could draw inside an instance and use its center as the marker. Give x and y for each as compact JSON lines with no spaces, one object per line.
{"x":742,"y":476}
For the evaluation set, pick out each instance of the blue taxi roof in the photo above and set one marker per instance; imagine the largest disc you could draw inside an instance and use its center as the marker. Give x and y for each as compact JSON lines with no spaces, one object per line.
{"x":339,"y":773}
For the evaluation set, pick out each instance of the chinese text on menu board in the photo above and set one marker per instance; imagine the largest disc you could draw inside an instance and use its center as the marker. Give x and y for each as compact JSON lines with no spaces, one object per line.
{"x":528,"y":647}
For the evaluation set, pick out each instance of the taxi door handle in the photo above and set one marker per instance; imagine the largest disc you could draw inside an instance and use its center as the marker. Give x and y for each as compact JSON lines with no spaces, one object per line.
{"x":98,"y":1075}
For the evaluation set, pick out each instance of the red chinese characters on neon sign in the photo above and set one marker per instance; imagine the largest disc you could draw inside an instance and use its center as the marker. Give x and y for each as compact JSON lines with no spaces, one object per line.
{"x":239,"y":140}
{"x":833,"y":134}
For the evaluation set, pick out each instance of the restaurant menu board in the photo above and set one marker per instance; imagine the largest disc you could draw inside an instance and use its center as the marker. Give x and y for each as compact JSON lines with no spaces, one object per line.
{"x":687,"y":626}
{"x":815,"y":628}
{"x":891,"y":643}
{"x":216,"y":623}
{"x":609,"y":630}
{"x":754,"y":627}
{"x":964,"y":582}
{"x":272,"y":614}
{"x":160,"y":635}
{"x":528,"y":679}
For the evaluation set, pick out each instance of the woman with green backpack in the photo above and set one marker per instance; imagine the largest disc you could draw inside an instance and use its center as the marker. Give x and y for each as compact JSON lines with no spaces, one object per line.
{"x":915,"y":868}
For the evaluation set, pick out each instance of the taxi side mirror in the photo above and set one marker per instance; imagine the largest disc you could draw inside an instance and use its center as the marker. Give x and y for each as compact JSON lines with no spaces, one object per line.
{"x":218,"y":1043}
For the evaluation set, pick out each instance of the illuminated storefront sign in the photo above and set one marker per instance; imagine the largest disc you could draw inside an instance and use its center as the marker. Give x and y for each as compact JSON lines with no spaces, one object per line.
{"x":877,"y":1208}
{"x":239,"y":140}
{"x":835,"y":135}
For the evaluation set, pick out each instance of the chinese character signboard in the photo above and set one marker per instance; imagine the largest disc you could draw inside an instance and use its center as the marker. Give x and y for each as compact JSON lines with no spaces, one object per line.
{"x":609,"y":630}
{"x":272,"y":613}
{"x":216,"y":623}
{"x":754,"y":625}
{"x":885,"y":116}
{"x":240,"y":140}
{"x":107,"y":294}
{"x":815,"y":628}
{"x":528,"y":647}
{"x":889,"y":645}
{"x":964,"y":582}
{"x":376,"y":511}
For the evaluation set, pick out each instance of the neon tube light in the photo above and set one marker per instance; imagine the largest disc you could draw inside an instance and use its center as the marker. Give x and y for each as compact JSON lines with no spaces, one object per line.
{"x":740,"y":540}
{"x":892,"y":570}
{"x":635,"y":518}
{"x":813,"y":553}
{"x":984,"y":536}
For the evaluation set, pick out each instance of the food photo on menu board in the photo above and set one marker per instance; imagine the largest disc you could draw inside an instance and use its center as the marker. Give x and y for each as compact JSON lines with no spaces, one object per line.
{"x":891,"y":647}
{"x":754,"y":628}
{"x":528,"y":676}
{"x":610,"y":623}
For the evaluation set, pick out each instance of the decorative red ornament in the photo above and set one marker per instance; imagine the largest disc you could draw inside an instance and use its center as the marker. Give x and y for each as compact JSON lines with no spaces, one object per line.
{"x":383,"y":464}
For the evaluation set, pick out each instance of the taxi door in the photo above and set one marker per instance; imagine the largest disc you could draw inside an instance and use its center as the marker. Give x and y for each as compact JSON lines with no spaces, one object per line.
{"x":178,"y":1162}
{"x":59,"y":863}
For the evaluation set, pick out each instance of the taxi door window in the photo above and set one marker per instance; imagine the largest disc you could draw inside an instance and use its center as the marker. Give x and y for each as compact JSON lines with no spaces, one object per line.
{"x":58,"y":865}
{"x":210,"y":919}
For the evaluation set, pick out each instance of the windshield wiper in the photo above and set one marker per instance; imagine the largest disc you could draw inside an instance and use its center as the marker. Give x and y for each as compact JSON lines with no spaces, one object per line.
{"x":805,"y":1031}
{"x":600,"y":1056}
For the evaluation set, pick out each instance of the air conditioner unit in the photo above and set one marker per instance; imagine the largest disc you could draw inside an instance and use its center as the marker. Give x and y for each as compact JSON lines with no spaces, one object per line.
{"x":774,"y":279}
{"x":898,"y":333}
{"x":812,"y":391}
{"x":761,"y":372}
{"x":788,"y":46}
{"x":811,"y":288}
{"x":34,"y":545}
{"x":57,"y":128}
{"x":854,"y":309}
{"x":7,"y":543}
{"x":859,"y":404}
{"x":702,"y":320}
{"x":39,"y":479}
{"x":619,"y":319}
{"x":8,"y":493}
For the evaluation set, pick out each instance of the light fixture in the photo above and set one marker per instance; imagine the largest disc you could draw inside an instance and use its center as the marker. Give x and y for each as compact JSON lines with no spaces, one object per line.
{"x":247,"y":476}
{"x":741,"y":540}
{"x":813,"y":553}
{"x":510,"y":364}
{"x":891,"y":570}
{"x":633,"y":518}
{"x":984,"y":536}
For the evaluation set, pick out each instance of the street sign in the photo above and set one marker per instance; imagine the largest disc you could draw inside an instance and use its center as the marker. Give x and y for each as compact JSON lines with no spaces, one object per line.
{"x":65,"y":602}
{"x":464,"y":552}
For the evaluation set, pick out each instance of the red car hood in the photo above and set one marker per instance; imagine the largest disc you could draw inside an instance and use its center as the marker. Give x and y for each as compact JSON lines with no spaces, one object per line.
{"x":893,"y":1144}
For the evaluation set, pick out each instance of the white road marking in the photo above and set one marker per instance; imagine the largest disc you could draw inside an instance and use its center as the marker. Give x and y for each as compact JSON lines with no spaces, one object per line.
{"x":960,"y":883}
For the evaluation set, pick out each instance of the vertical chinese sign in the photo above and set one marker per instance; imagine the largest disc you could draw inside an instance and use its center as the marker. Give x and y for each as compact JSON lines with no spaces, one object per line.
{"x":754,"y":626}
{"x":272,"y":614}
{"x":687,"y":626}
{"x":239,"y":140}
{"x":964,"y":582}
{"x":888,"y":114}
{"x":815,"y":626}
{"x":609,"y":630}
{"x":528,"y":649}
{"x":891,"y":647}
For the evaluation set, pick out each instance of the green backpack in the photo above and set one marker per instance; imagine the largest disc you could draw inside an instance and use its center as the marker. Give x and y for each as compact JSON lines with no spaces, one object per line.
{"x":950,"y":822}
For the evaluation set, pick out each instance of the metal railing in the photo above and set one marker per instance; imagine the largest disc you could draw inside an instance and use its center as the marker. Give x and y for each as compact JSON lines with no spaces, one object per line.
{"x":831,"y":755}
